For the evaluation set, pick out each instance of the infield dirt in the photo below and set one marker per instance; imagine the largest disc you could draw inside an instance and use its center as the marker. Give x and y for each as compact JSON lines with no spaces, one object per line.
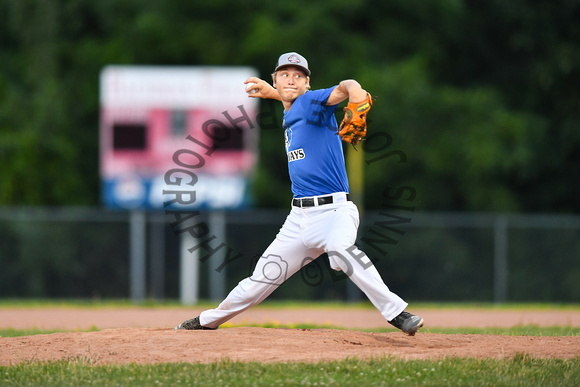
{"x":140,"y":335}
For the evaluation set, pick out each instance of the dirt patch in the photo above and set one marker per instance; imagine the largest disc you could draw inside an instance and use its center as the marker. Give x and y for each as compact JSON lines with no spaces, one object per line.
{"x":146,"y":336}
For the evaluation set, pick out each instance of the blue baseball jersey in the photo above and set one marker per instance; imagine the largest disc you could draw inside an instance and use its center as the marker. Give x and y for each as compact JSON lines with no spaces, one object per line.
{"x":314,"y":149}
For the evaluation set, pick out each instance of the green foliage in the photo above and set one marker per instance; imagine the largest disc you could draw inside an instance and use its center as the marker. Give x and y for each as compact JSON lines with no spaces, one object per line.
{"x":453,"y":139}
{"x":482,"y":98}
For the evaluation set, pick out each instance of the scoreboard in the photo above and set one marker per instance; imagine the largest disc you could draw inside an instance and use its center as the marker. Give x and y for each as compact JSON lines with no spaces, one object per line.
{"x":162,"y":124}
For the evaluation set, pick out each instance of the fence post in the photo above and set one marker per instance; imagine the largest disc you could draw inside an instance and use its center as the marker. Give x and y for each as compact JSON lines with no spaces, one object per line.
{"x":500,"y":259}
{"x":157,"y":259}
{"x":217,"y":280}
{"x":137,"y":255}
{"x":189,"y":272}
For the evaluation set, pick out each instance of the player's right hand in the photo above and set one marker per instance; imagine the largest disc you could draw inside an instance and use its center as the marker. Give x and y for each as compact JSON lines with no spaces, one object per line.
{"x":264,"y":89}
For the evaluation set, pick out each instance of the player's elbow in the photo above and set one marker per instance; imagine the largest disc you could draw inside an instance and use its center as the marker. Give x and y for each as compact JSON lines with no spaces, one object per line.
{"x":348,"y":84}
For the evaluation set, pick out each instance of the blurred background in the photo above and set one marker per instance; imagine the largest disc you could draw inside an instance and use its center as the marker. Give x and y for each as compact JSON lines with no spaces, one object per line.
{"x":471,"y":180}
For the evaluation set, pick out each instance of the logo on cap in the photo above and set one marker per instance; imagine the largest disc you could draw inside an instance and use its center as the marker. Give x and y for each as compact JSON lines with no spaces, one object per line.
{"x":293,"y":59}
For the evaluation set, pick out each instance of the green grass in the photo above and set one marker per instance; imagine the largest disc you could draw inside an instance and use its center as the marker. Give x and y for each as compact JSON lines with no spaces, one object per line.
{"x":520,"y":370}
{"x":524,"y":330}
{"x":11,"y":332}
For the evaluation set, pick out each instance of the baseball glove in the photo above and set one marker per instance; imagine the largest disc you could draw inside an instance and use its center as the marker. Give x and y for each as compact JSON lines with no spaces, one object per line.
{"x":354,"y":124}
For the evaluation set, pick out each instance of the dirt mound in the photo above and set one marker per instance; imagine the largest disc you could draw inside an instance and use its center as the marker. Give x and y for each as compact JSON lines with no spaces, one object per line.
{"x":139,"y":335}
{"x":150,"y":345}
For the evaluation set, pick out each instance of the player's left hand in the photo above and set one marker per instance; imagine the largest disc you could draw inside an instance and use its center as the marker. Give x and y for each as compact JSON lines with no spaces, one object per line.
{"x":353,"y":127}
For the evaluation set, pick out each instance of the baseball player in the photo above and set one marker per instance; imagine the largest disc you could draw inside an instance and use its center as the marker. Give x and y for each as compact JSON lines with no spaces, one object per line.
{"x":322,"y":218}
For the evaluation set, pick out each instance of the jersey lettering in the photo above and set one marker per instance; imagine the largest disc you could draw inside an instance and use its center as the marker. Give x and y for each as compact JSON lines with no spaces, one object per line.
{"x":296,"y":154}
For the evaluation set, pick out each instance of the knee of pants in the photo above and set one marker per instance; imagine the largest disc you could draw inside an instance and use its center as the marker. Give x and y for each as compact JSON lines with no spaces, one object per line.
{"x":349,"y":259}
{"x":340,"y":259}
{"x":271,"y":270}
{"x":337,"y":245}
{"x":338,"y":263}
{"x":251,"y":291}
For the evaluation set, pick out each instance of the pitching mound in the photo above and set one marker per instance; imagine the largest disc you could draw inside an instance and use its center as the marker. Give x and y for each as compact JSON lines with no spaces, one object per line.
{"x":149,"y":345}
{"x":143,"y":341}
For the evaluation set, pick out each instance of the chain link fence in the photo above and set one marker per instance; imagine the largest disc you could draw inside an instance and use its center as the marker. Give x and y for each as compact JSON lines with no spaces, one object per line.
{"x":88,"y":253}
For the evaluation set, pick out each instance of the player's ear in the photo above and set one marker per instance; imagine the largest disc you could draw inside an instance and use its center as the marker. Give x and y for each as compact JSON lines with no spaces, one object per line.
{"x":308,"y":83}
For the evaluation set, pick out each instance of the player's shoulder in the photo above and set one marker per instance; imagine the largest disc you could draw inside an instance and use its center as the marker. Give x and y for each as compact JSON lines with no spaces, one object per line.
{"x":323,"y":91}
{"x":317,"y":95}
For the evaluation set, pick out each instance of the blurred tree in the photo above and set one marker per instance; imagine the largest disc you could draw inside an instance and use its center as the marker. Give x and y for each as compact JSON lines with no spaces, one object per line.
{"x":529,"y":53}
{"x":483,"y":98}
{"x":460,"y":147}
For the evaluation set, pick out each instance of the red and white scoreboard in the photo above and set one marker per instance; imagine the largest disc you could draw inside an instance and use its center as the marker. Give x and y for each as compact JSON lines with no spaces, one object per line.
{"x":166,"y":130}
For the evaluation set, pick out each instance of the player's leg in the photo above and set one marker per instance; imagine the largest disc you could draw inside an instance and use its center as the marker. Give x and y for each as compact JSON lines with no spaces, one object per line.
{"x":270,"y":272}
{"x":284,"y":257}
{"x":338,"y":236}
{"x":359,"y":268}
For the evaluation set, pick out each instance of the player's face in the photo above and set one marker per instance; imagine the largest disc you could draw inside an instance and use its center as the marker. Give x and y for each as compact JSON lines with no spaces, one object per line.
{"x":291,"y":83}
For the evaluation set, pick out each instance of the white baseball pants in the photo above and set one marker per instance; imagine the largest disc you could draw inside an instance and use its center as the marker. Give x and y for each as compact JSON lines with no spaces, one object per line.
{"x":306,"y":234}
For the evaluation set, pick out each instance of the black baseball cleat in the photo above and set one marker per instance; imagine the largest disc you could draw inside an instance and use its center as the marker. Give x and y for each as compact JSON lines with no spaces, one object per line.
{"x":193,"y":324}
{"x":407,"y":322}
